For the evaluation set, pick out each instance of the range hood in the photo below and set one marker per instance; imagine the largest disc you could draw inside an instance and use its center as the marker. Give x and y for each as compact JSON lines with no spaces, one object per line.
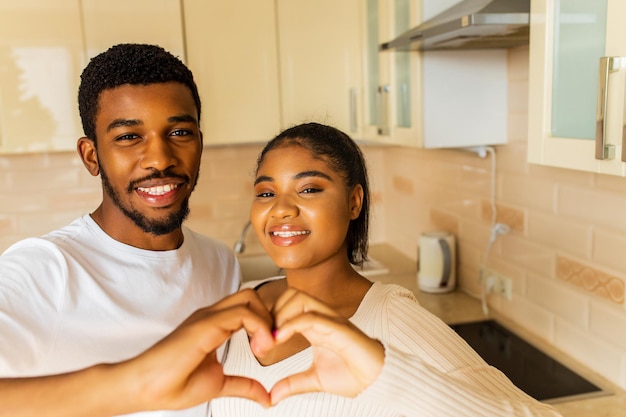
{"x":470,"y":24}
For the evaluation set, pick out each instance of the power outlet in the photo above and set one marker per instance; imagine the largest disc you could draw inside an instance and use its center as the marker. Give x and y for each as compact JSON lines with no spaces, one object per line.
{"x":504,"y":287}
{"x":499,"y":284}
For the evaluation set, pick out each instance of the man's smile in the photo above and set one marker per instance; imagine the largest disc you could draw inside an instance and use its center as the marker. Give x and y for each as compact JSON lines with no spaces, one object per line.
{"x":159,"y":189}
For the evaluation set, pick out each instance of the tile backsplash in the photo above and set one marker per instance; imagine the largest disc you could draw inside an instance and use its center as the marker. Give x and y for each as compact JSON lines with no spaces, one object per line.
{"x":566,"y":249}
{"x":565,"y":252}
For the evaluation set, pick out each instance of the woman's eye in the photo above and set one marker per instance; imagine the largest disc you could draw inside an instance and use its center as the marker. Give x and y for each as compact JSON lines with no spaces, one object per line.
{"x":311,"y":190}
{"x":264,"y":194}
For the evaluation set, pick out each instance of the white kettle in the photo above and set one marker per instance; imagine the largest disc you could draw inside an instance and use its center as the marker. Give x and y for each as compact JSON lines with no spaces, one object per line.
{"x":436,"y":271}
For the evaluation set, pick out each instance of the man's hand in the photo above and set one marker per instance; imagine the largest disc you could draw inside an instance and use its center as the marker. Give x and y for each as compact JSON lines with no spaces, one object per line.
{"x":182,"y":370}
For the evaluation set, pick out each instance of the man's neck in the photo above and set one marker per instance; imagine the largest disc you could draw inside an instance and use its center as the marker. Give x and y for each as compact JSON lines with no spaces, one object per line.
{"x":126,"y":231}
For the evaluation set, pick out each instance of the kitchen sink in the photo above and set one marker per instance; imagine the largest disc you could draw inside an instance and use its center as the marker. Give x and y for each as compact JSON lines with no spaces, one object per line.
{"x":530,"y":369}
{"x":255,"y":267}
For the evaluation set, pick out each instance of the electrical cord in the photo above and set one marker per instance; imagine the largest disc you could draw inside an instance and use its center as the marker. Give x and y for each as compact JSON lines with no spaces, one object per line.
{"x":496,"y":229}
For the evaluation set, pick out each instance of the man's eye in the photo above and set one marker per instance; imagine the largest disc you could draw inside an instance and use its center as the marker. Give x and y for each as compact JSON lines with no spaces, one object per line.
{"x":181,"y":132}
{"x":128,"y":136}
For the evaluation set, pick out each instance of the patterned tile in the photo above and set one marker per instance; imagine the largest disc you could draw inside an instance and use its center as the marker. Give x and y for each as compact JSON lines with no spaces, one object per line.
{"x":589,"y":279}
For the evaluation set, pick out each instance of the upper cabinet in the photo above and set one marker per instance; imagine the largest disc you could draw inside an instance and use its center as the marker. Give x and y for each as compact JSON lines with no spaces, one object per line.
{"x":232,"y":51}
{"x":106,"y":23}
{"x":260,"y":65}
{"x":430,"y":99}
{"x":264,"y":65}
{"x":321,"y":62}
{"x":576,"y":85}
{"x":41,"y":59}
{"x":392,"y":99}
{"x":44,"y":46}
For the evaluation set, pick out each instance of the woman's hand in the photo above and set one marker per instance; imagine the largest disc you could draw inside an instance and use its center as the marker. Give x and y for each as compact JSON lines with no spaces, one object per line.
{"x":345,"y":360}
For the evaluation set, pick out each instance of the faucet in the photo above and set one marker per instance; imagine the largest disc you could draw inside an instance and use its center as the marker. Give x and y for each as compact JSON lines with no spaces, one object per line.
{"x":240,"y":245}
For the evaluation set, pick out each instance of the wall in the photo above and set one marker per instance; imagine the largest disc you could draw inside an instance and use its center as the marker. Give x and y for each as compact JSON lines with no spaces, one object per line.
{"x":40,"y":192}
{"x":565,"y":252}
{"x":567,"y":245}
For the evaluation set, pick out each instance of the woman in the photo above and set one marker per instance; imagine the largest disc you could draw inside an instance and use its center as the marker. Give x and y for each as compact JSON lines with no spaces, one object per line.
{"x":310,"y":213}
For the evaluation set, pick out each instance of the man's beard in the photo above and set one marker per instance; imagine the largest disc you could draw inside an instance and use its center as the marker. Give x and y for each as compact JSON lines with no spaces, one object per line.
{"x":156,"y":227}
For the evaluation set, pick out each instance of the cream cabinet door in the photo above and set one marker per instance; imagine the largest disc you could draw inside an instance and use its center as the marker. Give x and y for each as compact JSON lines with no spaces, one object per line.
{"x":567,"y":85}
{"x":41,"y":58}
{"x":232,"y":51}
{"x":110,"y":22}
{"x":321,"y":62}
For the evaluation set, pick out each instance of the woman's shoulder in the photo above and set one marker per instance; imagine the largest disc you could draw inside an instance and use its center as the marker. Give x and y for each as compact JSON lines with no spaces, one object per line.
{"x":381,"y":291}
{"x":384,"y":301}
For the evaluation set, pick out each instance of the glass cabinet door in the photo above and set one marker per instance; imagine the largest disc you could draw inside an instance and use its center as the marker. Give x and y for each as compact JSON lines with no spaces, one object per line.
{"x":390,"y":107}
{"x":576,"y":105}
{"x":579,"y":42}
{"x":403,"y":67}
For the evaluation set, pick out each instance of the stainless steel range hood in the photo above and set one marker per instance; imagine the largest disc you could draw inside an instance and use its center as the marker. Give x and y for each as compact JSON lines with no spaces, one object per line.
{"x":471,"y":24}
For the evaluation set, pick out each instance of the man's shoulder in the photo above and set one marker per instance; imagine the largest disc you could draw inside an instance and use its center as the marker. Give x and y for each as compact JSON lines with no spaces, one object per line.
{"x":205,"y":242}
{"x":50,"y":241}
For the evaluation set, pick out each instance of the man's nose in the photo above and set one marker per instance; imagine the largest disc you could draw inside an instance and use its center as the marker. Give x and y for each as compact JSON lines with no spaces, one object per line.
{"x":158,"y":154}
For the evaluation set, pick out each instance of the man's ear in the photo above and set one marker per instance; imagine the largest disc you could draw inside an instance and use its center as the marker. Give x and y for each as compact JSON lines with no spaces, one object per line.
{"x":87,"y":151}
{"x":356,"y":201}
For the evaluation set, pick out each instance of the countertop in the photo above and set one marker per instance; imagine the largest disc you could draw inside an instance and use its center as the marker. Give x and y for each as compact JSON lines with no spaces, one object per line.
{"x":458,"y":307}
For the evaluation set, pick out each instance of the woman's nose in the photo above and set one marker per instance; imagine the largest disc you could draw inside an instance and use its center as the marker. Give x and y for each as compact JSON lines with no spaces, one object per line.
{"x":284,"y":207}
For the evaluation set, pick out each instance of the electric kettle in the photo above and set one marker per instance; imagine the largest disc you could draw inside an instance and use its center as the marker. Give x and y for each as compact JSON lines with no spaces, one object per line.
{"x":436,"y":270}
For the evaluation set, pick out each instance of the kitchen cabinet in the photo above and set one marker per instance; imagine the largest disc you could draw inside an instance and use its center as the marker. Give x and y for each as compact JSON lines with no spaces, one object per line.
{"x":430,"y":99}
{"x":44,"y":47}
{"x":41,"y":58}
{"x":392,"y":99}
{"x":107,"y":23}
{"x":576,"y":98}
{"x":233,"y":53}
{"x":263,"y":65}
{"x":321,"y":62}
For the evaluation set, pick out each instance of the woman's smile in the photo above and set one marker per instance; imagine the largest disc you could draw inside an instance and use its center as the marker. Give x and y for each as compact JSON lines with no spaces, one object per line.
{"x":286,"y":236}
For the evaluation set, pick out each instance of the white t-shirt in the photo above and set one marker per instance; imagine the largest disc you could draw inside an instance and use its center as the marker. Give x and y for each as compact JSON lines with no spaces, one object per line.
{"x":77,"y":297}
{"x":429,"y":371}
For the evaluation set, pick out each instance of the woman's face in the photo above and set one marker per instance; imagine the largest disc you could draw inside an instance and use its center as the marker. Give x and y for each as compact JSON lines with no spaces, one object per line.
{"x":302,"y":208}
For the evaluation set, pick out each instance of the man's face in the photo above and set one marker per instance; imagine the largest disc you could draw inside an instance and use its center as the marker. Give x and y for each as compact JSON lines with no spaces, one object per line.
{"x":148,"y":149}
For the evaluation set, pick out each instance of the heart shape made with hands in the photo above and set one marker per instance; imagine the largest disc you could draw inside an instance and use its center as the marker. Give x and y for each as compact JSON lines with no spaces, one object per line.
{"x":345,"y":360}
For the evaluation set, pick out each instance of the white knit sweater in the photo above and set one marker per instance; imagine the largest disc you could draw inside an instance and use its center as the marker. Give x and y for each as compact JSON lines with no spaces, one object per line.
{"x":429,"y":371}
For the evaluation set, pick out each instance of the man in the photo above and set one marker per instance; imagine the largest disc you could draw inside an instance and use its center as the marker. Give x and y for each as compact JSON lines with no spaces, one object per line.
{"x":116,"y":281}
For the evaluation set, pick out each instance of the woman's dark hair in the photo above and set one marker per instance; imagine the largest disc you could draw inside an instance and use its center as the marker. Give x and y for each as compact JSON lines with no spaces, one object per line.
{"x":130,"y":63}
{"x":344,"y":157}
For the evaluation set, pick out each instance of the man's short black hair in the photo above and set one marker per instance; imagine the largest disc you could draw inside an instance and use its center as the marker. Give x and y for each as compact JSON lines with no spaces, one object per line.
{"x":137,"y":64}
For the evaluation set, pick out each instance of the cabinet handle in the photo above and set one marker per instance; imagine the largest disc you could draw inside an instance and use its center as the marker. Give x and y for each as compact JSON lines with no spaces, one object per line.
{"x":383,"y":109}
{"x":624,"y":121}
{"x":353,"y":120}
{"x":608,"y":64}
